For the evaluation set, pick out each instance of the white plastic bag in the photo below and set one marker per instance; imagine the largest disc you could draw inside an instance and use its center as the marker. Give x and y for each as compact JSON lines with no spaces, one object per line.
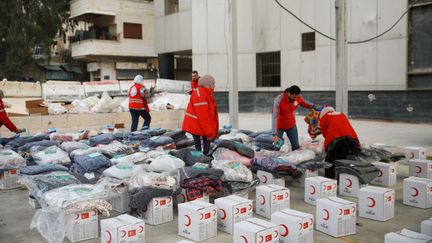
{"x":9,"y":157}
{"x":299,"y":156}
{"x":50,"y":224}
{"x":158,"y":180}
{"x":104,"y":105}
{"x":165,"y":163}
{"x":133,"y":158}
{"x":56,"y":109}
{"x":233,"y":170}
{"x":123,"y":171}
{"x":50,"y":155}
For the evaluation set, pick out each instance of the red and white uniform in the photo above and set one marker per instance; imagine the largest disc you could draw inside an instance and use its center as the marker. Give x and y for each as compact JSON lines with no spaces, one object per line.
{"x":283,"y":112}
{"x":137,"y":101}
{"x":336,"y":125}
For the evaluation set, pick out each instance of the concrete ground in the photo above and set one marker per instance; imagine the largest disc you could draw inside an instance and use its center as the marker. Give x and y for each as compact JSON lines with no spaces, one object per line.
{"x":16,"y":214}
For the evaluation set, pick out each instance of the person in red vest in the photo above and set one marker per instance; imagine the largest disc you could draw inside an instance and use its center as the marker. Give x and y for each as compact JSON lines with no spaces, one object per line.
{"x":138,"y":104}
{"x":341,"y":140}
{"x":201,"y":118}
{"x":283,"y":118}
{"x":194,"y":81}
{"x":4,"y":119}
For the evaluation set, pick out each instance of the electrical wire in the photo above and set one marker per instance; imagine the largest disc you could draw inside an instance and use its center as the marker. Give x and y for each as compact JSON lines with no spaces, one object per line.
{"x":349,"y":42}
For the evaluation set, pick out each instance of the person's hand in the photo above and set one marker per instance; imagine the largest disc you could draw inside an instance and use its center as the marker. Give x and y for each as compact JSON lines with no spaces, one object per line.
{"x":275,"y":139}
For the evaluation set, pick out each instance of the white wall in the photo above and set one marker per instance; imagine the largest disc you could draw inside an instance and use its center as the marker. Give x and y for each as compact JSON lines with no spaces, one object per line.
{"x":263,"y":27}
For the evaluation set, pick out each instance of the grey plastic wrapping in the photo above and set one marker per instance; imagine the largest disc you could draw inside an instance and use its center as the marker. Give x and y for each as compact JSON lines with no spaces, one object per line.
{"x":71,"y":146}
{"x":84,"y":151}
{"x":132,"y":158}
{"x":50,"y":224}
{"x":233,"y":170}
{"x":152,"y":179}
{"x":9,"y":157}
{"x":115,"y":148}
{"x":165,"y":163}
{"x":299,"y":156}
{"x":50,"y":155}
{"x":123,"y":171}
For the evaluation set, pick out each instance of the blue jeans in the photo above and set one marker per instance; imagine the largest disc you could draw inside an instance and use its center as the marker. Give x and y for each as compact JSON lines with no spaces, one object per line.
{"x":135,"y":114}
{"x":292,"y":136}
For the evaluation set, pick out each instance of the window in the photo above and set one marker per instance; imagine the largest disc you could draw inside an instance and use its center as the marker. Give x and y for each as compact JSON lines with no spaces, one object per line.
{"x":132,"y":31}
{"x":268,"y":69}
{"x":171,"y":6}
{"x":308,"y":41}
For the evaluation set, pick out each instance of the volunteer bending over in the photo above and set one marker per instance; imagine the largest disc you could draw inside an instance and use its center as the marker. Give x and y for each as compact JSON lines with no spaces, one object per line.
{"x":4,"y":119}
{"x":138,"y":104}
{"x":201,"y":118}
{"x":283,"y":118}
{"x":341,"y":140}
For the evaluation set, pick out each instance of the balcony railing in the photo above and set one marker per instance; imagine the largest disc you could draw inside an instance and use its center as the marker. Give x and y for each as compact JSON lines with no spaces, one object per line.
{"x":81,"y":35}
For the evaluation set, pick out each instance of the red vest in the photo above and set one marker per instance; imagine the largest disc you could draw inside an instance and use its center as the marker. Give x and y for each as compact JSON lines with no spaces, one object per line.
{"x":336,"y":125}
{"x":285,"y":114}
{"x":136,"y":101}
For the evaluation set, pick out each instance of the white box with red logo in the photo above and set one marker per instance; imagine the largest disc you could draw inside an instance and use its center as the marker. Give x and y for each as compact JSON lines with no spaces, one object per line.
{"x":256,"y":230}
{"x":349,"y":185}
{"x":197,"y":220}
{"x":294,"y":226}
{"x":336,"y":216}
{"x":420,"y":168}
{"x":267,"y":178}
{"x":426,"y":227}
{"x":376,"y":203}
{"x":417,"y":192}
{"x":182,"y":197}
{"x":270,"y":199}
{"x":387,"y":175}
{"x":301,"y":182}
{"x":406,"y":236}
{"x":319,"y":187}
{"x":120,"y":199}
{"x":415,"y":152}
{"x":232,"y":209}
{"x":9,"y":179}
{"x":82,"y":226}
{"x":158,"y":211}
{"x":123,"y":229}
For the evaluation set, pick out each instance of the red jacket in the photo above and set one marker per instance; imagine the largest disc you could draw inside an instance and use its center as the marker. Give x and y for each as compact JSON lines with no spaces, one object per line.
{"x":283,"y":112}
{"x":201,"y":116}
{"x":137,"y":101}
{"x":4,"y":119}
{"x":194,"y":83}
{"x":336,"y":125}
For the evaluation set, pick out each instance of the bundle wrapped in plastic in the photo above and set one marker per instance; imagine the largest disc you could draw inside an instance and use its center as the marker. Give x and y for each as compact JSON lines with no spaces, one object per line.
{"x":10,"y":158}
{"x":164,"y":101}
{"x":226,"y":154}
{"x":123,"y":171}
{"x":56,"y":109}
{"x":104,"y":138}
{"x":84,"y":151}
{"x":83,"y":106}
{"x":67,"y":137}
{"x":316,"y":145}
{"x":105,"y":105}
{"x":233,"y":170}
{"x":153,"y":179}
{"x":115,"y":148}
{"x":132,"y":158}
{"x":235,"y":135}
{"x":299,"y":156}
{"x":50,"y":155}
{"x":165,"y":163}
{"x":69,"y":147}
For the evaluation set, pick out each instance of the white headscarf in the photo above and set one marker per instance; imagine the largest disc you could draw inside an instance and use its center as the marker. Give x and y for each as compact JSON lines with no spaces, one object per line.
{"x":207,"y":81}
{"x":139,"y":79}
{"x":326,"y":110}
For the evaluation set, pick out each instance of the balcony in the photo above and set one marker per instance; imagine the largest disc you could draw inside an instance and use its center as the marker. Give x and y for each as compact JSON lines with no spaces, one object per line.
{"x":89,"y":10}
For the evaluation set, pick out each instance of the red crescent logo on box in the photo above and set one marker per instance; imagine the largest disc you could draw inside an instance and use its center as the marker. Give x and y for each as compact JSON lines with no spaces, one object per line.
{"x":244,"y":238}
{"x":262,"y":200}
{"x":214,"y":212}
{"x":123,"y":232}
{"x":202,"y":216}
{"x":312,"y":221}
{"x":301,"y":226}
{"x":373,"y":202}
{"x":327,"y":214}
{"x":412,"y":155}
{"x":145,"y":208}
{"x":276,"y":233}
{"x":157,"y":202}
{"x":250,"y":207}
{"x":265,"y":179}
{"x":286,"y":195}
{"x":261,"y":239}
{"x":274,"y":197}
{"x":77,"y":216}
{"x":170,"y":199}
{"x":95,"y":212}
{"x":340,"y":211}
{"x":237,"y":211}
{"x":286,"y":230}
{"x":354,"y":209}
{"x":110,"y":237}
{"x":349,"y":184}
{"x":189,"y":221}
{"x":313,"y":190}
{"x":418,"y":169}
{"x":416,"y":192}
{"x":380,"y":174}
{"x":224,"y":214}
{"x":141,"y":229}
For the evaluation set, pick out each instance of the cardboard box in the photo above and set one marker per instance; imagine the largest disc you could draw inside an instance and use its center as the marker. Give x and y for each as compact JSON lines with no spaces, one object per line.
{"x":387,"y":175}
{"x":33,"y":202}
{"x":256,"y":230}
{"x":123,"y":229}
{"x":82,"y":226}
{"x":406,"y":236}
{"x":183,"y":197}
{"x":376,"y":203}
{"x":417,"y":192}
{"x":319,"y":187}
{"x":294,"y":226}
{"x":158,"y":211}
{"x":301,"y":182}
{"x":9,"y":179}
{"x":267,"y":178}
{"x":34,"y":103}
{"x":420,"y":168}
{"x":231,"y":210}
{"x":336,"y":216}
{"x":416,"y":152}
{"x":42,"y":111}
{"x":197,"y":220}
{"x":270,"y":199}
{"x":120,"y":199}
{"x":349,"y":185}
{"x":426,"y":227}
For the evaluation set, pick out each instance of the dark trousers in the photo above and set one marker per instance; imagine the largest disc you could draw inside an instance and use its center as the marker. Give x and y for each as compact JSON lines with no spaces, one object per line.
{"x":340,"y":148}
{"x":206,"y":143}
{"x":292,"y":135}
{"x":136,"y":114}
